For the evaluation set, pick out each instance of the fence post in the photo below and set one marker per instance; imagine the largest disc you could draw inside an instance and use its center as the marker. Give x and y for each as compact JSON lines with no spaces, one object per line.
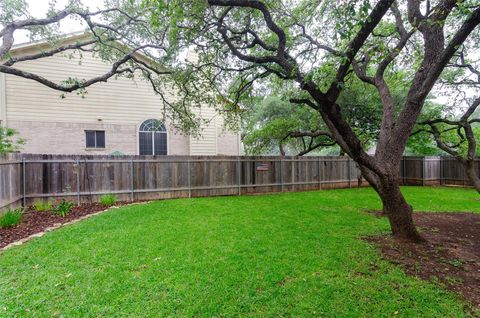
{"x":319,"y":173}
{"x":24,"y":184}
{"x":441,"y":170}
{"x":281,"y":174}
{"x":294,"y":167}
{"x":423,"y":171}
{"x":189,"y":179}
{"x":78,"y":181}
{"x":349,"y":173}
{"x":239,"y":175}
{"x":132,"y":181}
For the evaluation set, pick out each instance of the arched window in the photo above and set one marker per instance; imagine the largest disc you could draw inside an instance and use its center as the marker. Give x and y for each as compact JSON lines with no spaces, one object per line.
{"x":152,"y":138}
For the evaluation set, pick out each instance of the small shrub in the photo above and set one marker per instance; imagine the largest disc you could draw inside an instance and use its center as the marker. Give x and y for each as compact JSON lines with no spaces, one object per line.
{"x":63,"y":208}
{"x":108,"y":199}
{"x":42,"y":206}
{"x":11,"y":218}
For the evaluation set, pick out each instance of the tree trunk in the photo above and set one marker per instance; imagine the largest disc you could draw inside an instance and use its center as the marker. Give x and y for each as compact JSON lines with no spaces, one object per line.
{"x":359,"y":175}
{"x":395,"y":207}
{"x":398,"y":211}
{"x":472,"y":174}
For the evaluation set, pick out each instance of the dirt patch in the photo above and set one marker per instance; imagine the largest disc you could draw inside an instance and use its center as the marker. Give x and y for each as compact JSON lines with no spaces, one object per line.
{"x":450,"y":256}
{"x":34,"y":222}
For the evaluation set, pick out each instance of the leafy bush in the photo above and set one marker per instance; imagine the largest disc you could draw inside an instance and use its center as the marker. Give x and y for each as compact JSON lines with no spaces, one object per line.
{"x":10,"y":218}
{"x":63,"y":208}
{"x":8,"y":142}
{"x":42,"y":206}
{"x":108,"y":199}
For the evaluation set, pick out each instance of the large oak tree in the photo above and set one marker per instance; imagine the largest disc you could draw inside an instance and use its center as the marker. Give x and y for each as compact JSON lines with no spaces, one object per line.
{"x":318,"y":45}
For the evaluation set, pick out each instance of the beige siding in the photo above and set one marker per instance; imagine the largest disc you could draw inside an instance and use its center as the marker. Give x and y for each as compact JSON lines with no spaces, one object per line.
{"x":119,"y":102}
{"x":228,"y":143}
{"x":3,"y":100}
{"x":207,"y":142}
{"x":178,"y":144}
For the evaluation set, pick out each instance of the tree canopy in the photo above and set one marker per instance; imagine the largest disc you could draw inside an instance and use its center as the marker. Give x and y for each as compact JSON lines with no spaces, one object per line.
{"x":274,"y":127}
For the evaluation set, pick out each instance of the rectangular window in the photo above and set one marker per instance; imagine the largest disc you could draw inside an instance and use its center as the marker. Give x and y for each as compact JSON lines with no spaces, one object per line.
{"x":160,"y":143}
{"x":95,"y":138}
{"x":146,"y":143}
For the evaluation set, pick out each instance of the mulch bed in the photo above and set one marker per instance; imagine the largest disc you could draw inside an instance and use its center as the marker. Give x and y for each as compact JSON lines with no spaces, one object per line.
{"x":450,"y":256}
{"x":34,"y":222}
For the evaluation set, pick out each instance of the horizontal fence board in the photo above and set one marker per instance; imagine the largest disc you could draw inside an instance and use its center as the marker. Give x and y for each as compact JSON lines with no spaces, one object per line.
{"x":85,"y":178}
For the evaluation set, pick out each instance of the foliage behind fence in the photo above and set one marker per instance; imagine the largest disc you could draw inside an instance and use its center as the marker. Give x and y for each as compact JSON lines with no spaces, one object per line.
{"x":26,"y":177}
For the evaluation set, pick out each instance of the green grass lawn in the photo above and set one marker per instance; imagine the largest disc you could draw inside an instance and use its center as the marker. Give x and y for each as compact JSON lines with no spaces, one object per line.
{"x":290,"y":254}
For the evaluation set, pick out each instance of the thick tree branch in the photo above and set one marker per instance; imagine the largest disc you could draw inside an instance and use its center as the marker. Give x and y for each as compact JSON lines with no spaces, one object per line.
{"x":253,"y":4}
{"x":116,"y":68}
{"x":466,"y":136}
{"x":356,"y":44}
{"x":435,"y":59}
{"x":312,"y":145}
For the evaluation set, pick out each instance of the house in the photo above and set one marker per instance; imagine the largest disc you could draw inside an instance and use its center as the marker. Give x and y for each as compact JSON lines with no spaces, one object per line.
{"x":118,"y":116}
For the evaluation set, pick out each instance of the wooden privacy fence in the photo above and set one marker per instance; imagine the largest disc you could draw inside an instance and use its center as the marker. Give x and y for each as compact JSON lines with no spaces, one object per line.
{"x":27,"y":177}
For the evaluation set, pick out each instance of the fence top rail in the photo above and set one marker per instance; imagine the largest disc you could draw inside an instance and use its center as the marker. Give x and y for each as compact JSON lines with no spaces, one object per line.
{"x":30,"y":159}
{"x":10,"y":162}
{"x":38,"y":161}
{"x":422,"y":158}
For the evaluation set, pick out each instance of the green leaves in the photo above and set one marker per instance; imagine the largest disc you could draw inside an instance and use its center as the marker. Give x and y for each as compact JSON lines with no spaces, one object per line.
{"x":8,"y":140}
{"x":108,"y":199}
{"x":10,"y":218}
{"x":349,"y":16}
{"x":63,"y":208}
{"x":11,"y":9}
{"x":272,"y":119}
{"x":324,"y":75}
